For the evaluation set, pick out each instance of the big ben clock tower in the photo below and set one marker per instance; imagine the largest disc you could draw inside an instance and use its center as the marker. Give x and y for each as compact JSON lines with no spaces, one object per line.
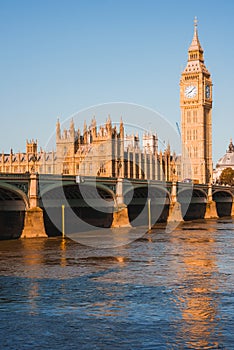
{"x":196,"y":122}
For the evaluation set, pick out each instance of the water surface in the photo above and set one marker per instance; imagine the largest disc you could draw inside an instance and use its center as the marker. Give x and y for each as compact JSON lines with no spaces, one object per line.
{"x":166,"y":290}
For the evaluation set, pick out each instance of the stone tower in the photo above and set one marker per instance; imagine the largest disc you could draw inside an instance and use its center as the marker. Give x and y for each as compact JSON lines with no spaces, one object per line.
{"x":65,"y":146}
{"x":196,"y":121}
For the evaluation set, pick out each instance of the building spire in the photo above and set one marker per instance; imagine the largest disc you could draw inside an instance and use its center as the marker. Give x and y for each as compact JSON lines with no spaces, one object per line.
{"x":58,"y":130}
{"x":72,"y":129}
{"x":195,"y":49}
{"x":195,"y":44}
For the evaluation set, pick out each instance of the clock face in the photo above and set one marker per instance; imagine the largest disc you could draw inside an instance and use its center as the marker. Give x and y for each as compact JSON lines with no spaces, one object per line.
{"x":207,"y":91}
{"x":190,"y":91}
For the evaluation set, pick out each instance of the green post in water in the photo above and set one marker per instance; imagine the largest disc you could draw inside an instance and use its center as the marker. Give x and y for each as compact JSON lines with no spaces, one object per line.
{"x":63,"y":221}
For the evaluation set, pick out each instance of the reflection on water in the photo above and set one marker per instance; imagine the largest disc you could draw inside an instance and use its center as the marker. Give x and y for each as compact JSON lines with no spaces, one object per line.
{"x":197,"y":299}
{"x":163,"y":291}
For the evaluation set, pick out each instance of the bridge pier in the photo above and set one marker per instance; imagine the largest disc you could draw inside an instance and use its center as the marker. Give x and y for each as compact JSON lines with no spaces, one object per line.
{"x":232,"y":212}
{"x":208,"y":201}
{"x":175,"y":214}
{"x":211,"y":211}
{"x":34,"y":220}
{"x":120,"y":214}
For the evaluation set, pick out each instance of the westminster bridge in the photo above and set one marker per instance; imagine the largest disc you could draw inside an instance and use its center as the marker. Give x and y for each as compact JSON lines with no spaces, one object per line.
{"x":30,"y":204}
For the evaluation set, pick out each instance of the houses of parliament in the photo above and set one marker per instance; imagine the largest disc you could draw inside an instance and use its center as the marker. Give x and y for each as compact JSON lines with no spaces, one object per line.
{"x":108,"y":151}
{"x":104,"y":151}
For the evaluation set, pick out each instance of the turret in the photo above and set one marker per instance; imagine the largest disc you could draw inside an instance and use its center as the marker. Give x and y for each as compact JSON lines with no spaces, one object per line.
{"x":121,"y":129}
{"x":72,"y":129}
{"x":150,"y":143}
{"x":31,"y":147}
{"x":58,"y":130}
{"x":85,"y":133}
{"x":93,"y":128}
{"x":109,"y":126}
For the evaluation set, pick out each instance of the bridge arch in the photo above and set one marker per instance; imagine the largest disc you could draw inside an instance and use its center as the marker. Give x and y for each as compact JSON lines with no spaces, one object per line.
{"x":13,"y":204}
{"x":193,"y":202}
{"x":223,"y":199}
{"x":10,"y":192}
{"x":136,"y":198}
{"x":92,"y":203}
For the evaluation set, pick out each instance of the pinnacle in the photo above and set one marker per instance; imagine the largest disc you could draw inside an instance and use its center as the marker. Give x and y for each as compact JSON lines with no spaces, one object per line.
{"x":195,"y":44}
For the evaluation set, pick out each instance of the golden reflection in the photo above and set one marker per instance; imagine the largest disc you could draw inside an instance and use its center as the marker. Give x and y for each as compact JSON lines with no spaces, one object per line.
{"x":197,"y":271}
{"x":120,"y":259}
{"x":33,"y":257}
{"x":149,"y":238}
{"x":63,"y":248}
{"x":106,"y":308}
{"x":33,"y":260}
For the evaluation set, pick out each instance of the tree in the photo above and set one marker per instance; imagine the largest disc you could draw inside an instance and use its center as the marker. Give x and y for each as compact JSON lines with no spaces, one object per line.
{"x":227,"y":177}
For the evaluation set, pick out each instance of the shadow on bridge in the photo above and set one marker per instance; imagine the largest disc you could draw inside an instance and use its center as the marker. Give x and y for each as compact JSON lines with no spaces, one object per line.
{"x":137,"y":202}
{"x":86,"y":207}
{"x":223,"y":201}
{"x":13,"y":204}
{"x":95,"y":202}
{"x":193,"y":203}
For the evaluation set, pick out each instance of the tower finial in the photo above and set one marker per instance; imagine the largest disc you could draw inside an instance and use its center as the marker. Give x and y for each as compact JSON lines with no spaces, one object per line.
{"x":195,"y":45}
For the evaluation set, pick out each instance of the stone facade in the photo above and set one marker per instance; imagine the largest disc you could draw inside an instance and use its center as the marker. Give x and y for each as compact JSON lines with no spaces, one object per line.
{"x":105,"y":151}
{"x":196,"y":122}
{"x":30,"y":161}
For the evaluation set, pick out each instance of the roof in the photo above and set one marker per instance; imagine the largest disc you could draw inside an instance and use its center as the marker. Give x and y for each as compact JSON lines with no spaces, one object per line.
{"x":228,"y":159}
{"x":195,"y":44}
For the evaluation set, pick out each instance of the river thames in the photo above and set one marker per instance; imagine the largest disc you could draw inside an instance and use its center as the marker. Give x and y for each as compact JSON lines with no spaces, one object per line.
{"x":165,"y":290}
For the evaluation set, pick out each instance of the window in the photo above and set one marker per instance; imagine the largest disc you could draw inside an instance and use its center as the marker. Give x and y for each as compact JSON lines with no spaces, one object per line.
{"x":193,"y":56}
{"x":66,"y":169}
{"x":188,"y":116}
{"x":102,"y":168}
{"x":189,"y":134}
{"x":194,"y":134}
{"x":195,"y":116}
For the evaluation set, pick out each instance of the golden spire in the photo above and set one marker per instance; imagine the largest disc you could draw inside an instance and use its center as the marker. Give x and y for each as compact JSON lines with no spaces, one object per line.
{"x":58,"y":129}
{"x":195,"y":46}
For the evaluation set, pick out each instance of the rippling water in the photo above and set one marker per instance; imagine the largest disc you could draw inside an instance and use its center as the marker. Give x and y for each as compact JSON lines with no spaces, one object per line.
{"x":163,"y":291}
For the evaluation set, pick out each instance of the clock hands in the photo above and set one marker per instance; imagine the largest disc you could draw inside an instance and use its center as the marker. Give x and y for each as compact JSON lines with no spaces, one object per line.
{"x":191,"y":90}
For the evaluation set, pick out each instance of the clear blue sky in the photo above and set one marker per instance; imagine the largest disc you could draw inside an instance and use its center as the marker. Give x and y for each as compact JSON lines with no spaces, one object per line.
{"x":59,"y":56}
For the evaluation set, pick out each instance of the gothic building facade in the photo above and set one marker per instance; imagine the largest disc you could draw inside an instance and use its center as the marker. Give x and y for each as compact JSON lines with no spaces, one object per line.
{"x":105,"y":151}
{"x":196,"y":121}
